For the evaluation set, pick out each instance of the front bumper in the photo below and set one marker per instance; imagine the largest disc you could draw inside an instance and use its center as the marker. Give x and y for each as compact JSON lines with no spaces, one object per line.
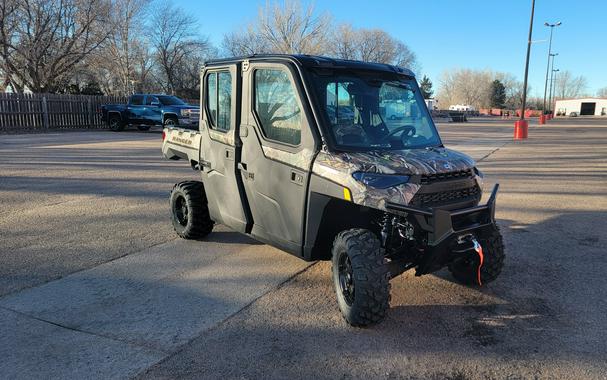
{"x":446,"y":229}
{"x":188,"y":121}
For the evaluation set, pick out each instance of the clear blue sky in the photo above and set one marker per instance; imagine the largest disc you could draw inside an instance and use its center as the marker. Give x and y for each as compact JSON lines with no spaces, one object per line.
{"x":471,"y":33}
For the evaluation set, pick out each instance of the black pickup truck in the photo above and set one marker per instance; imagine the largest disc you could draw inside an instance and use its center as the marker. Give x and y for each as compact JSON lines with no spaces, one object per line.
{"x":146,"y":110}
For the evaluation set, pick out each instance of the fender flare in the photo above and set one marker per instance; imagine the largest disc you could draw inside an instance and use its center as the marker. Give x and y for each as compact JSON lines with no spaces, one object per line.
{"x":166,"y":115}
{"x":115,"y":113}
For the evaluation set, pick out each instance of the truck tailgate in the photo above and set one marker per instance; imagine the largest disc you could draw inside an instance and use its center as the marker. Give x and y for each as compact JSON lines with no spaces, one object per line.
{"x":179,"y":143}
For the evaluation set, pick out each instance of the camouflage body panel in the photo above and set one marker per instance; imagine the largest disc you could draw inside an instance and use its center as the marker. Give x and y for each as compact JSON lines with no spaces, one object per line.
{"x":300,"y":160}
{"x":225,"y":138}
{"x":339,"y":167}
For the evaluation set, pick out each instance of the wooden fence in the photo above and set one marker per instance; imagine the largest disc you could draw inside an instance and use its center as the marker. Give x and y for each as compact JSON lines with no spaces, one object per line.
{"x":52,"y":111}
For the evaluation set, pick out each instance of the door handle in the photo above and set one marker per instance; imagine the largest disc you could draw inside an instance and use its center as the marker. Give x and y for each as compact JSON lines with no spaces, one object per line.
{"x":246,"y":174}
{"x":297,"y":178}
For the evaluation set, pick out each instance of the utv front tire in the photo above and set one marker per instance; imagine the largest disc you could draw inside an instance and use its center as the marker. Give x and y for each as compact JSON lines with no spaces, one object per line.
{"x":189,"y":210}
{"x":466,"y":271}
{"x":360,"y":277}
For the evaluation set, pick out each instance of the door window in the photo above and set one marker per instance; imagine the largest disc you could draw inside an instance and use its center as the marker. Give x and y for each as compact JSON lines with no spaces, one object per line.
{"x":137,"y":100}
{"x":151,"y":99}
{"x":277,"y":107}
{"x":219,"y":100}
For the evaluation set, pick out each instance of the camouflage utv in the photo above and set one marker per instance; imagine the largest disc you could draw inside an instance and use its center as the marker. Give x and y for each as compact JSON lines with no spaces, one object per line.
{"x":334,"y":160}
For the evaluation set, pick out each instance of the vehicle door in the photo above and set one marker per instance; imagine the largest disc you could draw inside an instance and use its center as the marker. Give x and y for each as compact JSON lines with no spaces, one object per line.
{"x":219,"y":148}
{"x":135,"y":109}
{"x":153,"y":111}
{"x":277,"y":152}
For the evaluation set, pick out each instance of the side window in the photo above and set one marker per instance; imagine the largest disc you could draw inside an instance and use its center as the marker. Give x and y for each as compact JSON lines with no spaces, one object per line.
{"x":219,"y":100}
{"x":137,"y":100}
{"x":276,"y":106}
{"x":150,"y":99}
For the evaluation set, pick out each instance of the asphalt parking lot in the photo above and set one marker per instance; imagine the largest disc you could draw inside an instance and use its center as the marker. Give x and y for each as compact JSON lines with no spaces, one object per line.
{"x":94,"y":283}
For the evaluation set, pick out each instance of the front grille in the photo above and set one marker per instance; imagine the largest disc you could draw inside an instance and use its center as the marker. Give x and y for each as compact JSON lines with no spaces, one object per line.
{"x":446,"y":197}
{"x":194,"y":114}
{"x":432,"y":178}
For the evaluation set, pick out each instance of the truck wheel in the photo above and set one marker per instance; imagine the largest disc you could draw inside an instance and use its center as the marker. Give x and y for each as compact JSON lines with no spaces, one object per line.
{"x":115,"y":123}
{"x":466,"y":271}
{"x":189,"y":210}
{"x":170,"y":121}
{"x":360,"y":278}
{"x":143,"y":127}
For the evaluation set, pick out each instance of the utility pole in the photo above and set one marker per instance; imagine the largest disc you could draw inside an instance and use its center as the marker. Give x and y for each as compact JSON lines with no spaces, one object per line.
{"x":548,"y":64}
{"x":553,"y":84}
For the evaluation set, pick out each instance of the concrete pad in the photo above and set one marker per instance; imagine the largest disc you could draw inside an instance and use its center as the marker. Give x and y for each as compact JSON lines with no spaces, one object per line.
{"x":157,"y":299}
{"x":33,"y":349}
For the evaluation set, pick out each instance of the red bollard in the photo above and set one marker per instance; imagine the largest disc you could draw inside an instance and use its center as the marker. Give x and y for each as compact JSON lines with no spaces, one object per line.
{"x":520,"y":129}
{"x":542,"y":119}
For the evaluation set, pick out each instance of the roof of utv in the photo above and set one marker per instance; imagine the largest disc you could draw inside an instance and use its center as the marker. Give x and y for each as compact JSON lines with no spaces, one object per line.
{"x":316,"y":61}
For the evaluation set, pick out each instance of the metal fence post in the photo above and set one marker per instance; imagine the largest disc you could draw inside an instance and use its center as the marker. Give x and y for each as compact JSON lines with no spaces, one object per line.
{"x":44,"y":113}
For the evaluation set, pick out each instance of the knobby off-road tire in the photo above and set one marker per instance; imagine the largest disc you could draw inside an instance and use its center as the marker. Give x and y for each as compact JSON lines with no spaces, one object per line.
{"x":189,"y":210}
{"x":363,"y":295}
{"x":115,"y":123}
{"x":466,"y":271}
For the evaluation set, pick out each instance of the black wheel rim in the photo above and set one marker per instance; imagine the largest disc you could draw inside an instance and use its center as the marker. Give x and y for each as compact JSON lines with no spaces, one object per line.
{"x":181,"y":211}
{"x":114,"y":124}
{"x":169,"y":122}
{"x":346,"y":278}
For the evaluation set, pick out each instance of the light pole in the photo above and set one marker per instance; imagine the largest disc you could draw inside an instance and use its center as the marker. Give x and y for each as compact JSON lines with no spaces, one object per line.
{"x":521,"y":125}
{"x":551,"y":74}
{"x":548,"y":64}
{"x":553,"y":83}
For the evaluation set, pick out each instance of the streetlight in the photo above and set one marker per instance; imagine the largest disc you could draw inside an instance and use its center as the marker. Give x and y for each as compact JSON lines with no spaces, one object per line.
{"x":554,"y":71}
{"x":520,"y":126}
{"x":551,"y":74}
{"x":548,"y":64}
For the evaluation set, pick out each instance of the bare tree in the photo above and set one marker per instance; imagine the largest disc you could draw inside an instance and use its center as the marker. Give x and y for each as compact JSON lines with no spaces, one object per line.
{"x":43,"y":41}
{"x":371,"y":45}
{"x":602,"y":92}
{"x":116,"y":61}
{"x":287,"y":28}
{"x":174,"y":38}
{"x":569,"y":86}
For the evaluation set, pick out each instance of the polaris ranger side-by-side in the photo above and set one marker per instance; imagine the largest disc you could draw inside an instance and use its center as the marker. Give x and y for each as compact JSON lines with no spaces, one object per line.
{"x":299,"y":152}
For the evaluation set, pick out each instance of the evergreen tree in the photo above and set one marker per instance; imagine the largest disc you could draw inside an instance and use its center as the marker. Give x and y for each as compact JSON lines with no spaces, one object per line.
{"x":426,"y":87}
{"x":498,"y":94}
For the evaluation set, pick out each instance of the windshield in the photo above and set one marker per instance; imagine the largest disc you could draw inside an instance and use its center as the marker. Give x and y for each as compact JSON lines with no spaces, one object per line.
{"x":171,"y":101}
{"x":374,"y":111}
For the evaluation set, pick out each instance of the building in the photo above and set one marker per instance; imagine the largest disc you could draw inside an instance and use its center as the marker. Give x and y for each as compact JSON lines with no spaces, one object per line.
{"x":432,"y":104}
{"x":584,"y":106}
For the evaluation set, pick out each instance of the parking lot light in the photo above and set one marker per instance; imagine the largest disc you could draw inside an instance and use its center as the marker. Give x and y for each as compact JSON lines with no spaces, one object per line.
{"x":551,"y":26}
{"x":521,"y":126}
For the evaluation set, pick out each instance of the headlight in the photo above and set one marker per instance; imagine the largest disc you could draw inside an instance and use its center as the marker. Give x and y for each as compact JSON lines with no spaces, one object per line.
{"x":380,"y":181}
{"x":185,"y":113}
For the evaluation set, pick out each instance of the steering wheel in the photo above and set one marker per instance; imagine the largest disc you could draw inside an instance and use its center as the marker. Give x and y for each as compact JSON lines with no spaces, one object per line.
{"x":405,"y":130}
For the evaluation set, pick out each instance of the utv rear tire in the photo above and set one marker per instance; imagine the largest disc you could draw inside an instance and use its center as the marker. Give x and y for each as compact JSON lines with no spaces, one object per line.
{"x":189,"y":210}
{"x":466,"y":271}
{"x":363,"y":294}
{"x":115,"y":123}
